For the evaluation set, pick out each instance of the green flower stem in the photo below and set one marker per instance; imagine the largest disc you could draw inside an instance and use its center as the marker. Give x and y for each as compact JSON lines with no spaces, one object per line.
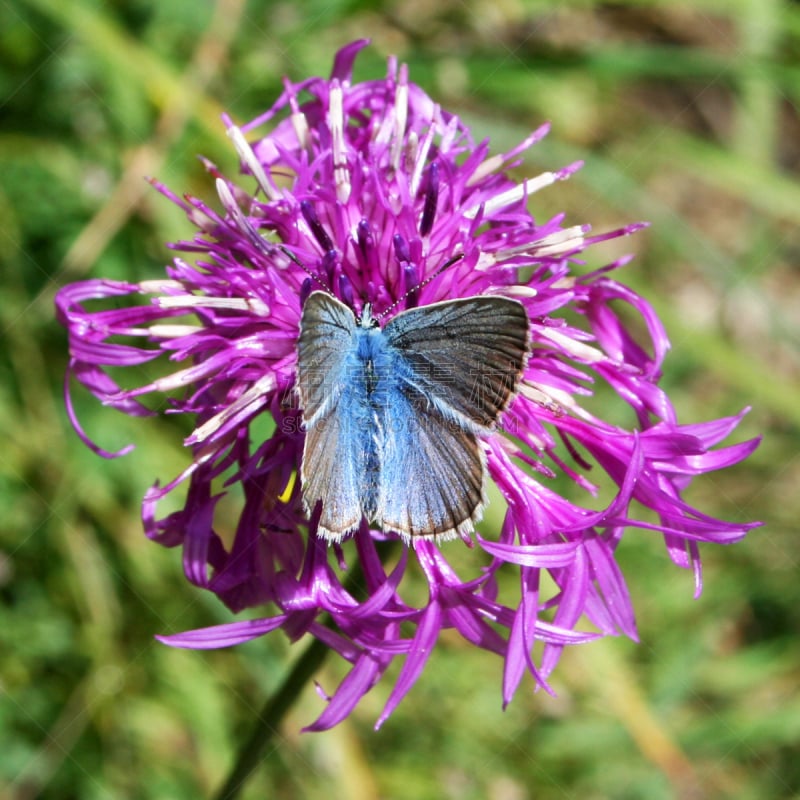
{"x":284,"y":696}
{"x":270,"y":717}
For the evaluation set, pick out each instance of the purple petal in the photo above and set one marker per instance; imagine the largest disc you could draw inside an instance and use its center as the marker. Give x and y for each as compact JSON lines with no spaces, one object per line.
{"x":361,"y":678}
{"x":226,"y":635}
{"x":424,"y":641}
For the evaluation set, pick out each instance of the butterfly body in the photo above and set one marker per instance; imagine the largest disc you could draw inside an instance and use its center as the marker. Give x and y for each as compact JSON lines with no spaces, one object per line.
{"x":392,"y":414}
{"x":367,"y":391}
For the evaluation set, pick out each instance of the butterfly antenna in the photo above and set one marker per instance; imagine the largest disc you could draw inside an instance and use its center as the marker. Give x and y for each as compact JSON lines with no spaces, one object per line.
{"x":421,"y":284}
{"x":292,"y":257}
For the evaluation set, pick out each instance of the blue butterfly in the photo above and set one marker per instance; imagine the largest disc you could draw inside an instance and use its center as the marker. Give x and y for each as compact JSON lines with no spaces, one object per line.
{"x":392,"y":414}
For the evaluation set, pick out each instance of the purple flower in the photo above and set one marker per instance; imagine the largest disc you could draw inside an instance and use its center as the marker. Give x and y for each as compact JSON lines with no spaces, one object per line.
{"x":373,"y":188}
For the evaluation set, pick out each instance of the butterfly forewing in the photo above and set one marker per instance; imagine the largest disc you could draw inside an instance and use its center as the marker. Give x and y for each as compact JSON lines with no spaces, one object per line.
{"x":327,"y":330}
{"x":332,"y":459}
{"x":466,"y":355}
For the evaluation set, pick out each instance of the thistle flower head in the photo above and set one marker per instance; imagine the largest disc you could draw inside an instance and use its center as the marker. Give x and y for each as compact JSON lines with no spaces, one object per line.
{"x":372,"y":189}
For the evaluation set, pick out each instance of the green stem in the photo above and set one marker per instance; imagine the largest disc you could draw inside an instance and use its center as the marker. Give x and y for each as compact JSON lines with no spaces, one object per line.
{"x":282,"y":698}
{"x":270,"y":717}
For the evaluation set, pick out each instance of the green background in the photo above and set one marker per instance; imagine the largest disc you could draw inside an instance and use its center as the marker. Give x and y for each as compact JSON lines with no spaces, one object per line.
{"x":686,"y":114}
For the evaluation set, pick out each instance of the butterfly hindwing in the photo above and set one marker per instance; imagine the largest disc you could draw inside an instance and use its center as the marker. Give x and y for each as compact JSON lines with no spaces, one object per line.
{"x":466,"y":355}
{"x":431,"y":471}
{"x":331,"y":472}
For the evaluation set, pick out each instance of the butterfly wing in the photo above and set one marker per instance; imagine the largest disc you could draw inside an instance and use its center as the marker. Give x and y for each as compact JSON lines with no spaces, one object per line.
{"x":456,"y":366}
{"x":431,"y":470}
{"x":326,"y":342}
{"x":466,"y":356}
{"x":331,"y":465}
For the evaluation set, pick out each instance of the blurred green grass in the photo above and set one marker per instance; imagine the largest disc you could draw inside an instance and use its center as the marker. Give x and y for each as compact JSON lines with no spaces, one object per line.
{"x":686,"y":115}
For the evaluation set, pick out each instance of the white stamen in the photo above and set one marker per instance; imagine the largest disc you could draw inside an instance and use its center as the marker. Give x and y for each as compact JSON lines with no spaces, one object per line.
{"x":552,"y":399}
{"x":253,"y":397}
{"x":176,"y":380}
{"x":554,"y":244}
{"x":249,"y":157}
{"x":400,"y":117}
{"x":159,"y":286}
{"x":492,"y":164}
{"x":183,"y":377}
{"x":513,"y":195}
{"x":410,"y":153}
{"x":300,"y":125}
{"x":341,"y":174}
{"x":561,"y":241}
{"x":422,"y":154}
{"x":449,"y":135}
{"x":200,"y":219}
{"x":516,"y":290}
{"x":226,"y":197}
{"x":567,"y":282}
{"x":239,"y":217}
{"x":252,"y":304}
{"x":229,"y":202}
{"x":579,"y":350}
{"x":172,"y":331}
{"x":486,"y":261}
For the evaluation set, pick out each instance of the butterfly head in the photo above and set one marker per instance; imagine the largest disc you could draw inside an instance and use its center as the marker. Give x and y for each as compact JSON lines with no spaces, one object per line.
{"x":366,"y":320}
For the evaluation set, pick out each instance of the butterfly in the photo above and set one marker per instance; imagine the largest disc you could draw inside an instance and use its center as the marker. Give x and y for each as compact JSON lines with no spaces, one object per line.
{"x":393,"y":414}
